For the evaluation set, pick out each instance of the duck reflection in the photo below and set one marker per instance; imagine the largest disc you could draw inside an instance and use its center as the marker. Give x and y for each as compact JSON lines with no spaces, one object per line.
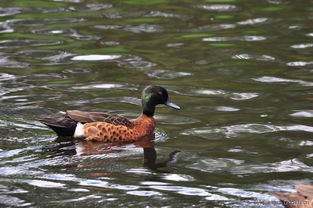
{"x":81,"y":147}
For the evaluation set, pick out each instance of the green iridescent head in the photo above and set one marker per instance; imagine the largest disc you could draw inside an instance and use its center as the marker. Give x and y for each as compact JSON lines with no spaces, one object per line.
{"x":155,"y":95}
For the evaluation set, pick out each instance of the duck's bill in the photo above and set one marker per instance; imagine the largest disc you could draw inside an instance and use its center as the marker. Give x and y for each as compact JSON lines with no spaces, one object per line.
{"x":172,"y":105}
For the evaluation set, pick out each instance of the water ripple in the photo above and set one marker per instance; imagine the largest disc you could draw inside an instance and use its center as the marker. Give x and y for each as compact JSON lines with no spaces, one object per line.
{"x":147,"y":28}
{"x":77,"y":199}
{"x":64,"y":32}
{"x":101,"y":86}
{"x":9,"y":44}
{"x":8,"y":11}
{"x":166,"y":15}
{"x":216,"y":165}
{"x":255,"y":57}
{"x":276,"y":167}
{"x":58,"y":58}
{"x":7,"y":62}
{"x":53,"y":57}
{"x":124,"y":187}
{"x":214,"y":27}
{"x":236,"y":130}
{"x":166,"y":74}
{"x":183,"y":190}
{"x":242,"y":193}
{"x":178,"y":177}
{"x":253,"y":21}
{"x":4,"y":154}
{"x":95,"y":57}
{"x":243,"y":96}
{"x":60,"y":177}
{"x":177,"y":120}
{"x":309,"y":34}
{"x":233,"y":96}
{"x":238,"y":167}
{"x":107,"y":27}
{"x":71,"y":1}
{"x":97,"y":7}
{"x":303,"y":45}
{"x":105,"y":184}
{"x":226,"y":109}
{"x":218,"y":7}
{"x":302,"y":113}
{"x":94,"y":183}
{"x":299,"y":63}
{"x":130,"y":100}
{"x":6,"y":28}
{"x":131,"y":61}
{"x":12,"y":201}
{"x":36,"y":22}
{"x":141,"y":28}
{"x":247,"y":38}
{"x":268,"y":79}
{"x":210,"y":92}
{"x":5,"y":77}
{"x":144,"y":193}
{"x":124,"y":14}
{"x":44,"y":183}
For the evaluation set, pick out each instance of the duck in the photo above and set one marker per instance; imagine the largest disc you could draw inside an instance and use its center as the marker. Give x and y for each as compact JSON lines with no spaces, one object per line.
{"x":104,"y":127}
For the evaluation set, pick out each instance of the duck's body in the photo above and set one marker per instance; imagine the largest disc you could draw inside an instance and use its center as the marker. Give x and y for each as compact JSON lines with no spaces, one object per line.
{"x":107,"y":132}
{"x":97,"y":126}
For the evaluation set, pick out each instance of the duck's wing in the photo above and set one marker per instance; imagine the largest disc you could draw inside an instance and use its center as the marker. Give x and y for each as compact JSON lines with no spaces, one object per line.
{"x":87,"y":117}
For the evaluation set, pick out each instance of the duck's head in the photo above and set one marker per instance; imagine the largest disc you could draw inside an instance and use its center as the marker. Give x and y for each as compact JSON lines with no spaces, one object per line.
{"x":155,"y":95}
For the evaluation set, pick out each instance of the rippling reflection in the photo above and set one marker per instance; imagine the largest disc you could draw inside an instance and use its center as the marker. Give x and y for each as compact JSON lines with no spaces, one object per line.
{"x":80,"y":153}
{"x":147,"y":143}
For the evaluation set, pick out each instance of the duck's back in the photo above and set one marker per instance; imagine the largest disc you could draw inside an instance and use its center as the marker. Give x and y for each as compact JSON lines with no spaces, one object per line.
{"x":88,"y":117}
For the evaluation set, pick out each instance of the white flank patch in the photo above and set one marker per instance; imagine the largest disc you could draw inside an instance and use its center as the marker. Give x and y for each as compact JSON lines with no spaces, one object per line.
{"x":79,"y":131}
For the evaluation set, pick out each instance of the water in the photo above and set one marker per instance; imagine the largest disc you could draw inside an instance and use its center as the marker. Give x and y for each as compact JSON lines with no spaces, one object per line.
{"x":241,"y":71}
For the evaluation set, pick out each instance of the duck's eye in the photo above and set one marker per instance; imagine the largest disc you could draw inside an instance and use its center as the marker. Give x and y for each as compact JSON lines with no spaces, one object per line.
{"x":160,"y":93}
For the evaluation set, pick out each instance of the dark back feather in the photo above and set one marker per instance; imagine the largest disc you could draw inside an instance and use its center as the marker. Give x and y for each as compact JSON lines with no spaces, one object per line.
{"x":87,"y":117}
{"x":62,"y":126}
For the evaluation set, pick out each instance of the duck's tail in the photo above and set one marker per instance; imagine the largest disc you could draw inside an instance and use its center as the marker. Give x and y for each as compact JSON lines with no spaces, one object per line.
{"x":61,"y":126}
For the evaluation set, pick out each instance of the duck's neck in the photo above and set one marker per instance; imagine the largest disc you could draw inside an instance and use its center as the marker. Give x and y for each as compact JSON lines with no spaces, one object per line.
{"x":148,"y":109}
{"x":144,"y":125}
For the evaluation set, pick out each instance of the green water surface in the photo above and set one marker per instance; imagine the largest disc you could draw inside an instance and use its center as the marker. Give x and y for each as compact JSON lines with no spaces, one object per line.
{"x":241,"y":70}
